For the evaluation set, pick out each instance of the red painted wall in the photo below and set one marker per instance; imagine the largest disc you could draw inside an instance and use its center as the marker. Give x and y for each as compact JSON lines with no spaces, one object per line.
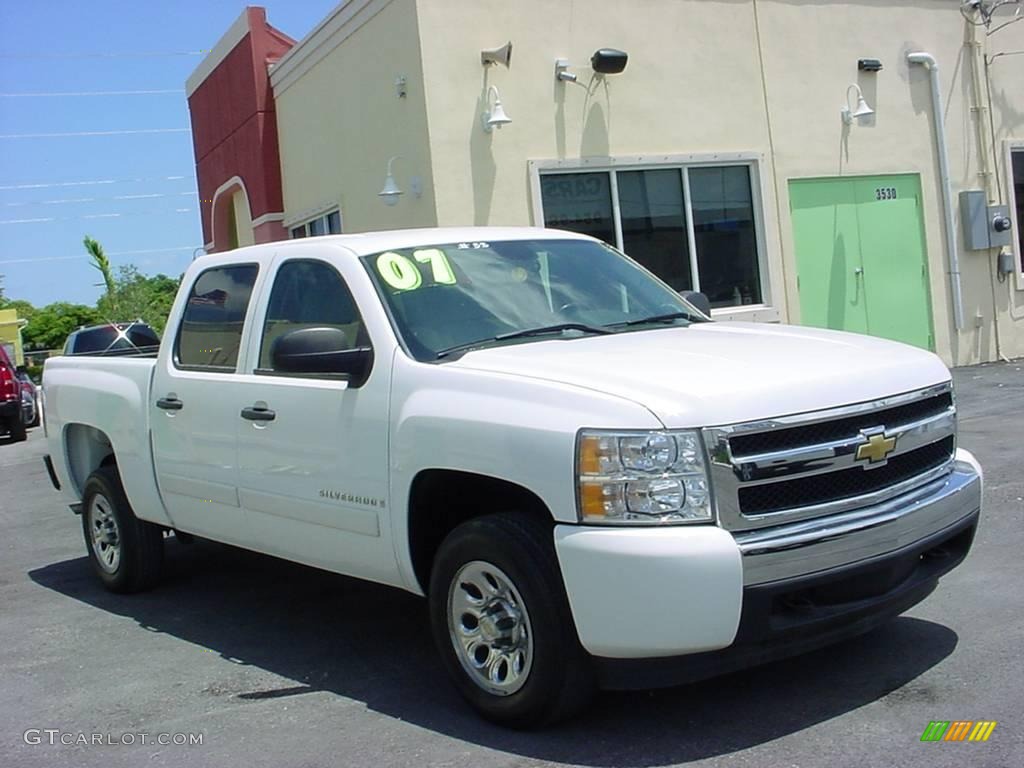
{"x":234,"y":126}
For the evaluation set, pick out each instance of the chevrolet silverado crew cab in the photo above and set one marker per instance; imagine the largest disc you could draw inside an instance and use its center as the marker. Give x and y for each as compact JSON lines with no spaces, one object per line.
{"x":593,"y":484}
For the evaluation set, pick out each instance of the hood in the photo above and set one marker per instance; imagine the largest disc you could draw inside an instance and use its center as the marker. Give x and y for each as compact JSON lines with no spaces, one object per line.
{"x":721,"y":373}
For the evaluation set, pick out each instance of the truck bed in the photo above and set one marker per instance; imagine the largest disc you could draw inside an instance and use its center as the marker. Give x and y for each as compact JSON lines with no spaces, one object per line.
{"x":106,"y":400}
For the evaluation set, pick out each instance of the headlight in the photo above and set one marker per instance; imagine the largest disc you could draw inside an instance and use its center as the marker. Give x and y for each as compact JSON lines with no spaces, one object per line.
{"x":628,"y":478}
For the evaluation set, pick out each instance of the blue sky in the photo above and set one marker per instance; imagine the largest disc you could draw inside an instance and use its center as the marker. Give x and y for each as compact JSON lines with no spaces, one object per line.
{"x":146,"y":211}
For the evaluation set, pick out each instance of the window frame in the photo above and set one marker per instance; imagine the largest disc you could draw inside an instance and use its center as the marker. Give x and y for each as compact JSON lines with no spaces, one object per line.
{"x":1012,"y":147}
{"x":767,"y":309}
{"x":219,"y":369}
{"x":322,"y":214}
{"x":264,"y":310}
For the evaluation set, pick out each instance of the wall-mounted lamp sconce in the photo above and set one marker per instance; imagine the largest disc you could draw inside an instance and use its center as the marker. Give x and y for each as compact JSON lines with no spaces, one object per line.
{"x":862,"y":110}
{"x":494,"y":117}
{"x":391,"y":192}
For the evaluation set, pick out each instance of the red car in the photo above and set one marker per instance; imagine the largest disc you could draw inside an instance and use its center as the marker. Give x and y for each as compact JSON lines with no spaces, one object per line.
{"x":12,"y":415}
{"x":31,"y":413}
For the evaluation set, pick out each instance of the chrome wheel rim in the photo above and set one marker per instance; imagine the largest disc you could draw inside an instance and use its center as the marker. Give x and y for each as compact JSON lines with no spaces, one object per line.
{"x":489,"y":626}
{"x":106,"y":539}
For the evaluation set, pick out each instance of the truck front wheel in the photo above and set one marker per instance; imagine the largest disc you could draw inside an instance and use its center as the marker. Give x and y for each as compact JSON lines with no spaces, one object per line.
{"x":502,"y":623}
{"x":126,"y":553}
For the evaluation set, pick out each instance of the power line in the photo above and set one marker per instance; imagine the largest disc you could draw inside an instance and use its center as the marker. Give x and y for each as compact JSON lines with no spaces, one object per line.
{"x":183,"y":248}
{"x":102,"y":54}
{"x":113,"y":215}
{"x":49,"y":184}
{"x":89,"y":133}
{"x":94,"y":93}
{"x":146,"y":196}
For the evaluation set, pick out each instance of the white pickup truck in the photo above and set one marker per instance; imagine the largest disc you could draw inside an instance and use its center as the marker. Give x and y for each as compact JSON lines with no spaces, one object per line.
{"x":592,"y":483}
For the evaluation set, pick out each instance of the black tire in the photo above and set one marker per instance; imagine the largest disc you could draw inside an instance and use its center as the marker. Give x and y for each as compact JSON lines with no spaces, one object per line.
{"x":560,"y":680}
{"x":140,"y":544}
{"x":17,"y":432}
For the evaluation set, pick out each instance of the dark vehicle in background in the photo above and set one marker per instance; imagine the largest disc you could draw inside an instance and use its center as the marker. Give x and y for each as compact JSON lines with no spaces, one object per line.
{"x":29,"y":399}
{"x":12,"y":417}
{"x":113,"y":339}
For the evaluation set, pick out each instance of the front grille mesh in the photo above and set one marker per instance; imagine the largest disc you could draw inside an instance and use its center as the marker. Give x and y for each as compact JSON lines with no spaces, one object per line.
{"x":847,"y":483}
{"x":837,"y":429}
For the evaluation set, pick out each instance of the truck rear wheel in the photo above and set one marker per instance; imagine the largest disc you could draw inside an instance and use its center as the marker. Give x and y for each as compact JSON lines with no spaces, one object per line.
{"x":126,"y":553}
{"x":501,"y":621}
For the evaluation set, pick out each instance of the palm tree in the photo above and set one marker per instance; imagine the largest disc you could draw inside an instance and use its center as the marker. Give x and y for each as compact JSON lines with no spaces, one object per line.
{"x":102,"y":263}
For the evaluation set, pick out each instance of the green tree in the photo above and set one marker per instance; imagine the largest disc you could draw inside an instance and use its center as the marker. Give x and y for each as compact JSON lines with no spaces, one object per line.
{"x":24,"y":308}
{"x":135,"y":296}
{"x":49,"y":326}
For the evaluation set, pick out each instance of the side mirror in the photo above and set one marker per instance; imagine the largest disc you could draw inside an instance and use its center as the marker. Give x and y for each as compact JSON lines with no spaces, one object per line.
{"x":323,"y":351}
{"x":699,"y":300}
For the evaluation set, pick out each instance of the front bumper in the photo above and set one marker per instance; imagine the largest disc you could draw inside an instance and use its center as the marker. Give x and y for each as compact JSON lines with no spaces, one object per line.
{"x":660,"y":606}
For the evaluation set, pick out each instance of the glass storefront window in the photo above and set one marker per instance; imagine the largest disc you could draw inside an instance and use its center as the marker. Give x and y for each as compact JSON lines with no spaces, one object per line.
{"x":723,"y":226}
{"x":653,"y":217}
{"x":579,"y":202}
{"x":654,"y":224}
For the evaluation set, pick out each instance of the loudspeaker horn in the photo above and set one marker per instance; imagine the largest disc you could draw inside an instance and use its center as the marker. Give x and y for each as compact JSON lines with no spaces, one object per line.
{"x":502,"y":55}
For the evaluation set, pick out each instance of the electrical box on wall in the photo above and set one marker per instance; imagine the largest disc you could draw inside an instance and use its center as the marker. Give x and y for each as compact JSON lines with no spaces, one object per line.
{"x":1001,"y":224}
{"x":985,"y":226}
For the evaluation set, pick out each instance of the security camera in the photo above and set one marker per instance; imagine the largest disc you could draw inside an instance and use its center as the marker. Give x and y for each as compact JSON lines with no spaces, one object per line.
{"x":609,"y":61}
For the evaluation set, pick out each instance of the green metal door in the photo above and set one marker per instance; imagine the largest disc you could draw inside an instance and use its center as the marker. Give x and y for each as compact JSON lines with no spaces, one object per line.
{"x":860,"y":256}
{"x":828,"y":254}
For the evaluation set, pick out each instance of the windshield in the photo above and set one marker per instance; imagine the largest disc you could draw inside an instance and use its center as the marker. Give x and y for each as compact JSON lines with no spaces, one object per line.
{"x":446,"y":298}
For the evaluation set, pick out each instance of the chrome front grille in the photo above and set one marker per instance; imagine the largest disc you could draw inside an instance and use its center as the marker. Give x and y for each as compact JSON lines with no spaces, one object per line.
{"x":816,"y":464}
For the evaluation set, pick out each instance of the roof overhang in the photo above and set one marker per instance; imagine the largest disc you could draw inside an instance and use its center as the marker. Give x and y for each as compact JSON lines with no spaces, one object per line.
{"x":344,"y":21}
{"x":236,"y":32}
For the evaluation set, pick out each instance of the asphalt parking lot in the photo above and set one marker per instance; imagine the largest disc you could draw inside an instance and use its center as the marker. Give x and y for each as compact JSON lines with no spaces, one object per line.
{"x":280,"y":665}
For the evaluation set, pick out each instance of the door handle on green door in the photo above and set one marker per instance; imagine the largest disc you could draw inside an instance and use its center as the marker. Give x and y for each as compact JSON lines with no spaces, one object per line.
{"x":170,"y":403}
{"x":859,"y":271}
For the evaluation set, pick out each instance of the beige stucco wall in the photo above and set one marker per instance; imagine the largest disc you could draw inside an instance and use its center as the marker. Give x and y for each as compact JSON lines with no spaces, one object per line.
{"x":810,"y":53}
{"x":699,"y":77}
{"x":340,"y":119}
{"x":659,"y":106}
{"x":704,"y":76}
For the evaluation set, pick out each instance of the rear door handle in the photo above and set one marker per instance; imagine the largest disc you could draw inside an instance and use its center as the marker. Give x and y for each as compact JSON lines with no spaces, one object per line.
{"x":262,"y":413}
{"x":170,"y":403}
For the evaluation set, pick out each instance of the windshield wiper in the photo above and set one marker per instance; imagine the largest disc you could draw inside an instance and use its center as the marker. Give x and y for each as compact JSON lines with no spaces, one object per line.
{"x":545,"y":329}
{"x":478,"y":344}
{"x":660,"y":319}
{"x":524,"y":334}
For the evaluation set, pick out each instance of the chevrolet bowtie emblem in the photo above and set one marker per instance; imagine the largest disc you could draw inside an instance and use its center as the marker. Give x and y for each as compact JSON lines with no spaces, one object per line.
{"x":877,"y":447}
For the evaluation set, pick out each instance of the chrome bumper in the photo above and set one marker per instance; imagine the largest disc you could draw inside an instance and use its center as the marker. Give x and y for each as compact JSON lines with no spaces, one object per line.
{"x":808,"y":546}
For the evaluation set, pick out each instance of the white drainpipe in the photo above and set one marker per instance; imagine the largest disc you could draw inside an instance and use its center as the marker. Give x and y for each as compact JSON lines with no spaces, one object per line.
{"x":929,"y":63}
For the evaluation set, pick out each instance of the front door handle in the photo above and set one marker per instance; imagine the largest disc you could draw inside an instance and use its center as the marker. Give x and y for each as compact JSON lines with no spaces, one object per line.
{"x":170,"y":403}
{"x":262,"y":413}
